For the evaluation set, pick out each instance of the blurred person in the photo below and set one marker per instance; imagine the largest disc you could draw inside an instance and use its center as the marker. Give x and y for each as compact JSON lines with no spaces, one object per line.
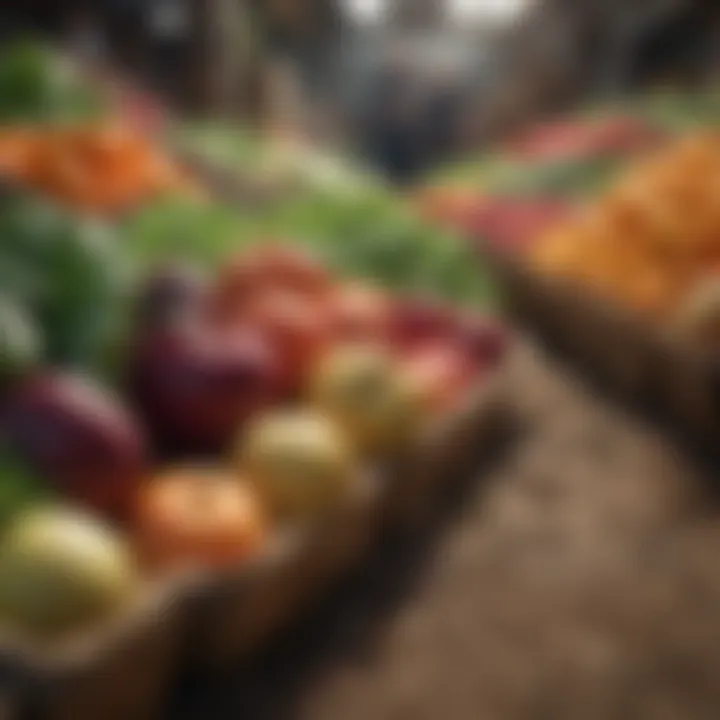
{"x":442,"y":115}
{"x":393,"y":130}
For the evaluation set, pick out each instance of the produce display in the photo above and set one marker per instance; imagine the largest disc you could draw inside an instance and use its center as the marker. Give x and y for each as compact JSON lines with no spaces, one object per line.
{"x":102,"y":168}
{"x":652,"y":240}
{"x":177,"y":385}
{"x":364,"y":234}
{"x":279,"y":165}
{"x":614,"y":135}
{"x":250,"y":396}
{"x":537,"y":177}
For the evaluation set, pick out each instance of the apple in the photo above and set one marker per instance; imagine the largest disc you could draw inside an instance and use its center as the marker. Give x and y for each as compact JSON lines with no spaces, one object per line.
{"x":196,"y":383}
{"x":61,"y":570}
{"x":362,"y":388}
{"x":299,"y":460}
{"x":418,"y":321}
{"x":78,"y":436}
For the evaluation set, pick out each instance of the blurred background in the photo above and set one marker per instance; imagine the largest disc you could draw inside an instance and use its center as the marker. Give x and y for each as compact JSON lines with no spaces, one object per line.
{"x":403,"y":84}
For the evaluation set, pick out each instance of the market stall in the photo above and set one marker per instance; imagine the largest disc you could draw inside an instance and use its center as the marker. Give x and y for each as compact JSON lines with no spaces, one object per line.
{"x":208,"y":414}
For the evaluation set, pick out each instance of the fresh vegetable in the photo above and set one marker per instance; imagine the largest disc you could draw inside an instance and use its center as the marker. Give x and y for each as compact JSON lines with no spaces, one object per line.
{"x":652,"y":238}
{"x":298,"y":329}
{"x":196,"y":383}
{"x":105,"y":169}
{"x":70,"y":275}
{"x":270,"y":267}
{"x":37,"y":86}
{"x":364,"y":391}
{"x":299,"y":461}
{"x":278,"y":167}
{"x":198,"y":516}
{"x":61,"y":571}
{"x":76,"y":436}
{"x":20,"y":343}
{"x":583,"y":138}
{"x":367,"y":236}
{"x":373,"y":237}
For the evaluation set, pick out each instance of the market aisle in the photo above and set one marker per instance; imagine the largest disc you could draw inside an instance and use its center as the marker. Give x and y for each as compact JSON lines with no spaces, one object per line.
{"x":580,"y":580}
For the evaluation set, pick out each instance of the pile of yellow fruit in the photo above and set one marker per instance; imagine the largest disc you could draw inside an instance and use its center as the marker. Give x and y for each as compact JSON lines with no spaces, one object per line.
{"x":653,"y":238}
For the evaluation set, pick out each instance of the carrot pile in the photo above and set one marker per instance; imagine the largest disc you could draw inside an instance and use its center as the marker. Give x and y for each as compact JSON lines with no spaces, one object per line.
{"x":650,"y":240}
{"x":104,"y":169}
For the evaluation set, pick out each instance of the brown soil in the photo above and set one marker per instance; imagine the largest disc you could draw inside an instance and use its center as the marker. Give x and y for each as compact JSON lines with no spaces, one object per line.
{"x":577,"y":577}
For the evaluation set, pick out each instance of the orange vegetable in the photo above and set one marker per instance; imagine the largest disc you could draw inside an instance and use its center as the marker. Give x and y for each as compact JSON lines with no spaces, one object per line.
{"x":103,"y":169}
{"x":650,"y":240}
{"x":199,"y":516}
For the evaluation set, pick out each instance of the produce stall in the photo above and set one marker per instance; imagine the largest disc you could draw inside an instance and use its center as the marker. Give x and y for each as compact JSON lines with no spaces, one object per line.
{"x":621,"y":272}
{"x":207,"y":414}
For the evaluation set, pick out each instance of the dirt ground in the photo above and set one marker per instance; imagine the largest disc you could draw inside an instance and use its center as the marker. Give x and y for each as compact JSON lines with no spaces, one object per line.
{"x":577,"y":576}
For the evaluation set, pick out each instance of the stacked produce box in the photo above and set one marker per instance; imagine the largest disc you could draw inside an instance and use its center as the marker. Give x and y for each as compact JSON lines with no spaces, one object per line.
{"x":205,"y":415}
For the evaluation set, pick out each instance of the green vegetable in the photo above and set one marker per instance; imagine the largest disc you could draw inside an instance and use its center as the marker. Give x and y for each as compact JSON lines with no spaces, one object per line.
{"x":198,"y":232}
{"x":20,"y":342}
{"x":37,"y":86}
{"x":69,"y":272}
{"x":515,"y":178}
{"x":361,"y":233}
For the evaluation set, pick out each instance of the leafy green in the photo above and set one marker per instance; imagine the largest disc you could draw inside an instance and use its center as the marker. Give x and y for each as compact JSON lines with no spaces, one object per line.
{"x":503,"y":176}
{"x":203,"y":233}
{"x":20,"y":342}
{"x":69,"y":272}
{"x":366,"y":233}
{"x":37,"y":86}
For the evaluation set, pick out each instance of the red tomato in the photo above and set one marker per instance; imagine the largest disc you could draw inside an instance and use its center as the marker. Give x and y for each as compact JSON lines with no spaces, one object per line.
{"x":296,"y":326}
{"x":270,"y":266}
{"x":198,"y":516}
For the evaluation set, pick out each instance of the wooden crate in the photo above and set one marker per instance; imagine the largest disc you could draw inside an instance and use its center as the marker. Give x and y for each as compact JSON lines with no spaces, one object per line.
{"x":203,"y":620}
{"x":236,"y":612}
{"x":119,"y":671}
{"x":639,"y":362}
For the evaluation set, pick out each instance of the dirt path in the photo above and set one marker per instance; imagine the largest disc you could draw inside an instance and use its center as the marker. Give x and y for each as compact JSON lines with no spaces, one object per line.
{"x":579,"y":579}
